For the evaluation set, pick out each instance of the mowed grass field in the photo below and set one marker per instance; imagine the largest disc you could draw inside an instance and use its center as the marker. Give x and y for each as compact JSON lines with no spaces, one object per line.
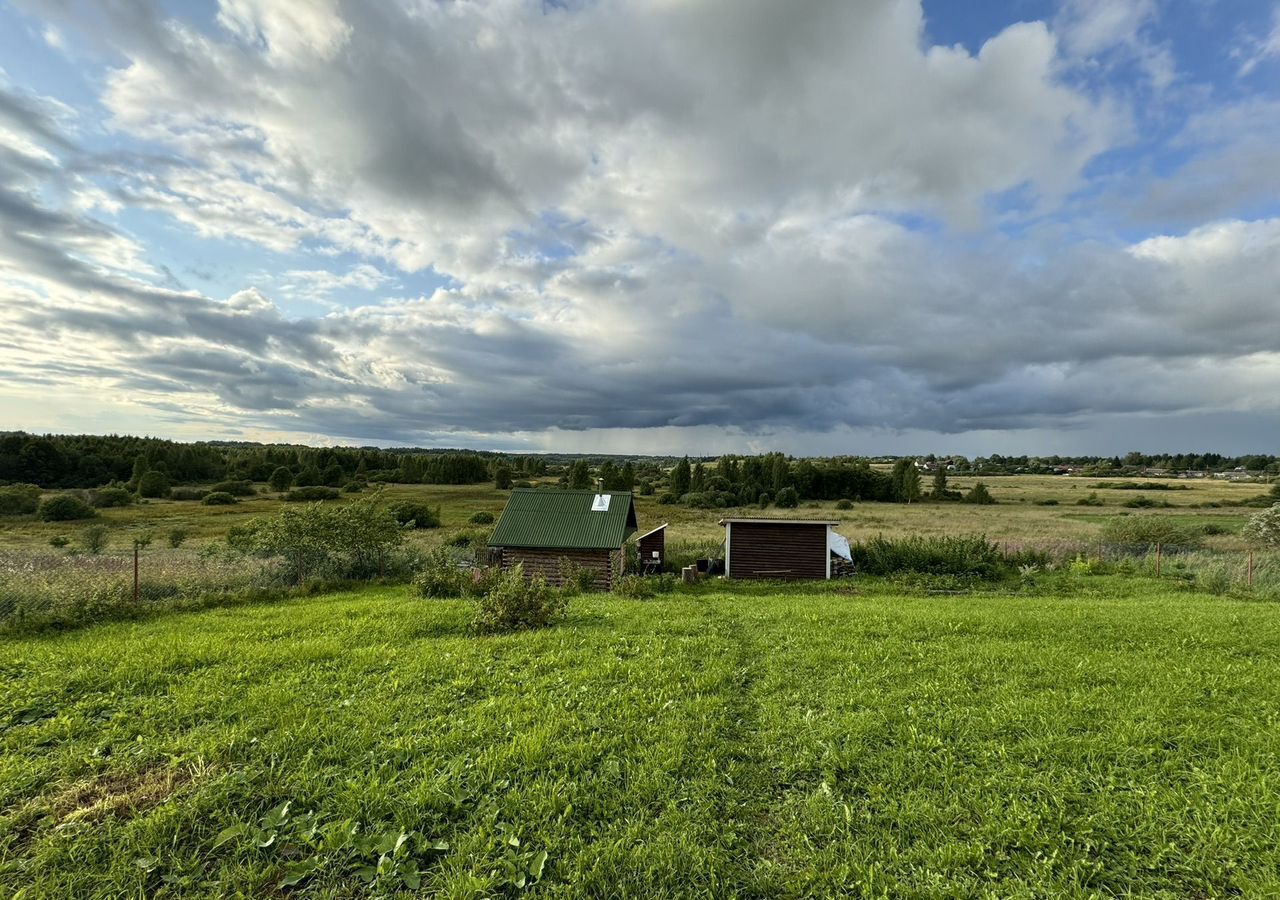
{"x":1118,"y":740}
{"x":1016,"y":518}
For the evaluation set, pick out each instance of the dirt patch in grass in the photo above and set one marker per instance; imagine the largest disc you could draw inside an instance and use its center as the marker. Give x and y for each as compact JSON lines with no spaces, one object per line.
{"x":121,"y":794}
{"x":106,"y":795}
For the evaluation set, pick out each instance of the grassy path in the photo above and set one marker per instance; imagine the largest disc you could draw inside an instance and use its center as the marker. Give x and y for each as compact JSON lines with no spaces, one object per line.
{"x":727,"y":746}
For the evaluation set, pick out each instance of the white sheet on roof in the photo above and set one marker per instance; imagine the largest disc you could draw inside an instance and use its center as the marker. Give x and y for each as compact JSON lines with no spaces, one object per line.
{"x":838,"y":544}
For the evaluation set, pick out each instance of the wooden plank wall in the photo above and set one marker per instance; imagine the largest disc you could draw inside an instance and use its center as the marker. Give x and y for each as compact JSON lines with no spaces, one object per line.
{"x":605,"y":563}
{"x":766,"y":550}
{"x":648,"y":544}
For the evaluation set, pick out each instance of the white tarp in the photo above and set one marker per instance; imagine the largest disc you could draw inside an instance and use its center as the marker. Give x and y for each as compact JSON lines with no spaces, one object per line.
{"x":838,"y":544}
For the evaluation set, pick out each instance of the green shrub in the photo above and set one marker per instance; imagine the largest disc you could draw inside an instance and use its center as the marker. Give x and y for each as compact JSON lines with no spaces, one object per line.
{"x":844,"y":504}
{"x":576,"y":579}
{"x":440,"y":576}
{"x":187,"y":494}
{"x":1091,"y":500}
{"x":481,"y":518}
{"x":764,"y":500}
{"x":635,"y":587}
{"x":94,"y":539}
{"x":416,"y":514}
{"x":219,"y":498}
{"x":234,"y":488}
{"x":353,"y":487}
{"x":1263,"y":529}
{"x":979,"y":495}
{"x":280,"y":479}
{"x":19,"y":499}
{"x":58,"y":541}
{"x":1141,"y":502}
{"x":1048,"y":502}
{"x":515,"y":603}
{"x":787,"y":498}
{"x":311,"y":494}
{"x":1147,"y":530}
{"x":64,"y":508}
{"x":946,"y":555}
{"x":107,"y":497}
{"x":177,"y":537}
{"x":154,"y":484}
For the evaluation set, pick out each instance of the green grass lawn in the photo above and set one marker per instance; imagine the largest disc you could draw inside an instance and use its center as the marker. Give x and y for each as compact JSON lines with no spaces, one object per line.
{"x":1117,"y":742}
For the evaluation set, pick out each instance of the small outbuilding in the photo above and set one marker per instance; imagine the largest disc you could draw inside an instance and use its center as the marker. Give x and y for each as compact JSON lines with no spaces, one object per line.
{"x":781,"y":548}
{"x":652,"y":549}
{"x":541,"y":527}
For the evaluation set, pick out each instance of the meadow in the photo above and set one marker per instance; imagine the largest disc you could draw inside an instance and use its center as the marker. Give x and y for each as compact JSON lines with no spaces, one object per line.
{"x":1094,"y":736}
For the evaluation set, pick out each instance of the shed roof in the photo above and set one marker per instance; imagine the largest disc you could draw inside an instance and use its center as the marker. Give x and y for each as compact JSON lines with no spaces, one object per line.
{"x":652,"y":531}
{"x":551,"y":519}
{"x":771,"y":521}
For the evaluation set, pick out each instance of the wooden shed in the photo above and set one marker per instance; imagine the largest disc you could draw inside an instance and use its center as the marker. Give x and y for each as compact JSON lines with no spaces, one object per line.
{"x":541,"y":527}
{"x":652,"y":549}
{"x":780,"y":548}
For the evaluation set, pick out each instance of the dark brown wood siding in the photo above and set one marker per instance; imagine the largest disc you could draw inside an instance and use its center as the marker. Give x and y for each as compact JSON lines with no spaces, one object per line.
{"x":650,"y":544}
{"x":773,"y":550}
{"x":605,"y":563}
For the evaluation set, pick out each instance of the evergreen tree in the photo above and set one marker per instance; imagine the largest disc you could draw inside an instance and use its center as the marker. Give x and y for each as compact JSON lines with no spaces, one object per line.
{"x":940,"y":482}
{"x":502,"y":477}
{"x":680,"y":478}
{"x":698,"y":481}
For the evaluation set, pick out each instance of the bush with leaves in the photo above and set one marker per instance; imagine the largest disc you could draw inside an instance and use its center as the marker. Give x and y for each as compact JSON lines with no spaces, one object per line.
{"x":19,"y":499}
{"x":416,"y":514}
{"x":177,"y":537}
{"x":440,"y":577}
{"x":311,"y":494}
{"x":787,"y":498}
{"x":153,"y":484}
{"x":1263,"y":529}
{"x":113,"y":496}
{"x":94,"y":539}
{"x":353,"y":540}
{"x":219,"y":498}
{"x":515,"y":603}
{"x":575,"y":579}
{"x":481,"y":518}
{"x":64,"y":508}
{"x":979,"y":495}
{"x":188,"y":494}
{"x":844,"y":504}
{"x":58,"y":541}
{"x":235,"y":488}
{"x":281,"y":479}
{"x":1091,"y":500}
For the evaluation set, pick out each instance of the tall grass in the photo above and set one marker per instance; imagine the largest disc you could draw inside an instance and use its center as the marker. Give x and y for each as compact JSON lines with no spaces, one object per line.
{"x":66,"y":589}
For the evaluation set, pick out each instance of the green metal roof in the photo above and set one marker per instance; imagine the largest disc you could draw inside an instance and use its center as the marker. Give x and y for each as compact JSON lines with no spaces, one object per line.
{"x":553,"y":519}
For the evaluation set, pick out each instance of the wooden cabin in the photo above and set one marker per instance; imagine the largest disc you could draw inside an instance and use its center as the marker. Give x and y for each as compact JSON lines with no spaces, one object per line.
{"x":652,"y":549}
{"x":540,"y":528}
{"x":792,"y":549}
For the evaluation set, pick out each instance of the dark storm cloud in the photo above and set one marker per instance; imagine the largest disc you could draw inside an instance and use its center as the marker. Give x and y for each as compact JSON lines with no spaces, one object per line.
{"x":651,"y":216}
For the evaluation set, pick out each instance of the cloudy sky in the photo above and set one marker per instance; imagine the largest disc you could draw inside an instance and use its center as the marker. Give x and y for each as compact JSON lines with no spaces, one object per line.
{"x":664,"y":225}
